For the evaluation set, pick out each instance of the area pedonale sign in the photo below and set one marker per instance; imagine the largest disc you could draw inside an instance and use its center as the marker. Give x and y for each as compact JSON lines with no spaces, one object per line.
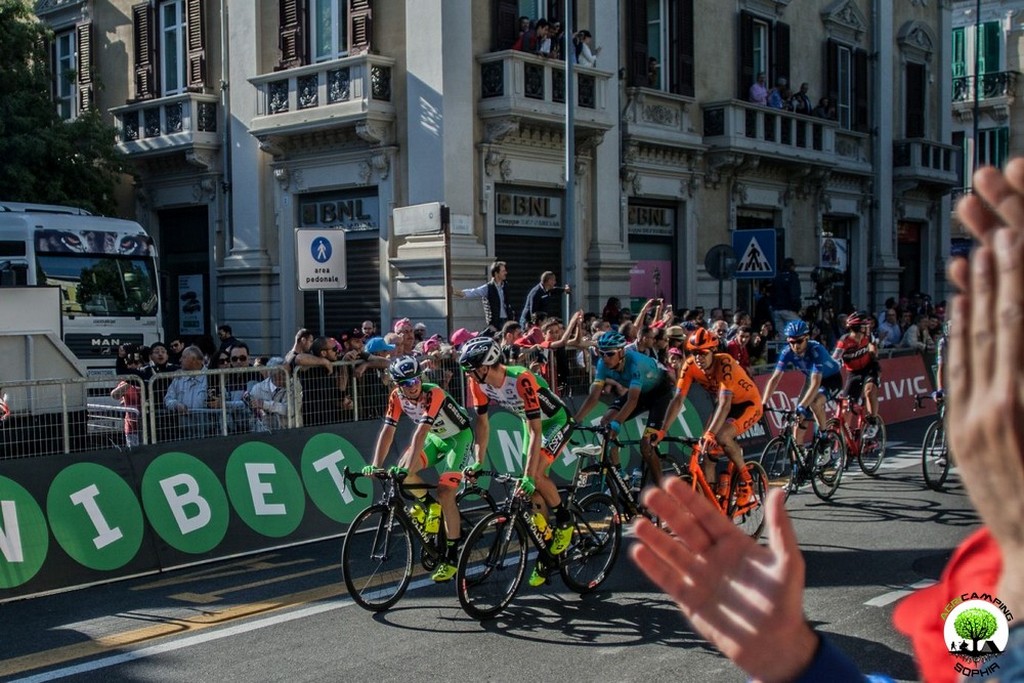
{"x":112,"y":514}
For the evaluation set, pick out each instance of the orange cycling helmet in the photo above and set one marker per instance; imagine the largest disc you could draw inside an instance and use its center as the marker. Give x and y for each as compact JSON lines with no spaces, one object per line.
{"x":701,"y":340}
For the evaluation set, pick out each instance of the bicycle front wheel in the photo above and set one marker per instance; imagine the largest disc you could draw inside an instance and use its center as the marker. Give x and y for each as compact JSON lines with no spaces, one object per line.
{"x":829,"y":454}
{"x":872,"y":449}
{"x":777,"y":465}
{"x":597,"y":535}
{"x":474,"y":504}
{"x":748,"y":515}
{"x":491,"y":565}
{"x":377,"y":558}
{"x":935,"y":456}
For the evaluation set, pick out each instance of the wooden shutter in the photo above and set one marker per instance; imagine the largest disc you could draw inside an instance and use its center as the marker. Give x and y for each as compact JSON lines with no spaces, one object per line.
{"x":144,"y":38}
{"x":556,"y":11}
{"x":196,"y":45}
{"x":636,"y":16}
{"x":291,"y":40}
{"x":989,"y":48}
{"x":780,"y":54}
{"x":832,"y":72}
{"x":914,"y":104}
{"x":861,"y":96}
{"x":360,"y":26}
{"x":959,"y":53}
{"x":745,"y":77}
{"x":681,"y":40}
{"x":83,"y":40}
{"x":506,"y":24}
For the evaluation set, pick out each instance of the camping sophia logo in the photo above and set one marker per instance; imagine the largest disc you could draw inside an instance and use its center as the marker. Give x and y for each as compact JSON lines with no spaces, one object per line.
{"x":976,"y":628}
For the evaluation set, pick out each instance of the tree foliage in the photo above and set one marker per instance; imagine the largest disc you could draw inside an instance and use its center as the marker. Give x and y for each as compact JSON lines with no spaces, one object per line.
{"x":975,"y":624}
{"x":45,"y":159}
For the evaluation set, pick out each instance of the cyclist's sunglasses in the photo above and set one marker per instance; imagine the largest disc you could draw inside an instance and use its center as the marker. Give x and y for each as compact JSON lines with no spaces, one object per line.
{"x":796,"y":342}
{"x":607,"y":354}
{"x":411,"y":382}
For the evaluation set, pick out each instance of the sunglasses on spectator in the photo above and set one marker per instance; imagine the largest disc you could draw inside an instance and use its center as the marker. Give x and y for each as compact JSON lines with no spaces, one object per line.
{"x":239,"y":357}
{"x":223,"y":359}
{"x":412,"y":382}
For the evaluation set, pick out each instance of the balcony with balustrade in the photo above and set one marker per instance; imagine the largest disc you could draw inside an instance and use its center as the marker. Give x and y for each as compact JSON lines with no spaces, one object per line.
{"x":926,"y":164}
{"x":350,"y":92}
{"x":996,"y":93}
{"x":178,"y":123}
{"x":786,"y":138}
{"x":520,"y":88}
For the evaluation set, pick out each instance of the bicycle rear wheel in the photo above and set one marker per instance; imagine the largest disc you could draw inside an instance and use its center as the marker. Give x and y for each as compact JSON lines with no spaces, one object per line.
{"x":377,"y":558}
{"x":749,"y":517}
{"x":935,"y":456}
{"x":491,"y":565}
{"x":829,"y":454}
{"x":777,"y":465}
{"x":872,"y":450}
{"x":597,"y":535}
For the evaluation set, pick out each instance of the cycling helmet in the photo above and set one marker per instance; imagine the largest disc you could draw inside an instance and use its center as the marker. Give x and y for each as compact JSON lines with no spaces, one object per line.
{"x":404,"y":368}
{"x":702,"y":340}
{"x":858,"y":319}
{"x":795,"y":329}
{"x":478,"y":352}
{"x":610,"y":341}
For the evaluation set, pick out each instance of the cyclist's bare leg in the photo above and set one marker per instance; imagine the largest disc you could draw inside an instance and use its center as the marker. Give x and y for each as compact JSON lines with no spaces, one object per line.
{"x":871,"y":397}
{"x":818,"y":408}
{"x":726,"y":436}
{"x":546,"y":495}
{"x":447,"y":486}
{"x":650,"y":456}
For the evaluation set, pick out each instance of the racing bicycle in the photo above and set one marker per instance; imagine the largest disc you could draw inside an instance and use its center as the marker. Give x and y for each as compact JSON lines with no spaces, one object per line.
{"x":934,"y":448}
{"x":853,"y":431}
{"x":496,"y":553}
{"x":790,"y":466}
{"x":377,"y":556}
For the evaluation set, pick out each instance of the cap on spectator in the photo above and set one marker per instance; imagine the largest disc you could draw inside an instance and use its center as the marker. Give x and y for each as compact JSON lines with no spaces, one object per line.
{"x":432,"y":343}
{"x":420,"y":326}
{"x":461,"y":336}
{"x":675,"y":351}
{"x":275,"y":362}
{"x":377,"y":344}
{"x":676,"y":333}
{"x":402,"y":322}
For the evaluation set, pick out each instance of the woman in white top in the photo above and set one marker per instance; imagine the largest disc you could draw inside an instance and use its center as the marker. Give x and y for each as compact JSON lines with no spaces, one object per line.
{"x":584,"y":55}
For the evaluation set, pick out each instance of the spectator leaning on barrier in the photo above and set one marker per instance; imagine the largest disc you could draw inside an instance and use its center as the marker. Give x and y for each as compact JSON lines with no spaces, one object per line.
{"x":269,"y":398}
{"x":187,"y":396}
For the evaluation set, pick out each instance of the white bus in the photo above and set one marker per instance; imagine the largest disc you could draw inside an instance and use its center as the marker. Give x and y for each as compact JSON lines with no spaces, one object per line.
{"x":106,"y":269}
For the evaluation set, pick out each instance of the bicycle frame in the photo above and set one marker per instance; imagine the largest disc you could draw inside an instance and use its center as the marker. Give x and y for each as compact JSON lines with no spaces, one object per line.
{"x":845,"y":408}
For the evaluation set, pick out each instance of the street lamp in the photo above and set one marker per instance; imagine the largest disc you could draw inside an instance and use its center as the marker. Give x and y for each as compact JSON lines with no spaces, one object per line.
{"x":977,"y":80}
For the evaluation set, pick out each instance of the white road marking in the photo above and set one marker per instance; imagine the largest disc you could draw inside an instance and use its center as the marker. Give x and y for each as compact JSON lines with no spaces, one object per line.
{"x":893,"y":596}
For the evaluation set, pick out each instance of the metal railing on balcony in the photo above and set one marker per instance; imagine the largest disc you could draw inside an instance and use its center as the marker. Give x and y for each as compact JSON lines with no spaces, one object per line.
{"x":521,"y":84}
{"x":168,"y":122}
{"x":991,"y":86}
{"x":345,"y":89}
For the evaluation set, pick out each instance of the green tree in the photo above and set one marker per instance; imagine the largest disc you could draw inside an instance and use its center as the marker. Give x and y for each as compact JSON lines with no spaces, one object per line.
{"x":975,"y":624}
{"x":46,"y":159}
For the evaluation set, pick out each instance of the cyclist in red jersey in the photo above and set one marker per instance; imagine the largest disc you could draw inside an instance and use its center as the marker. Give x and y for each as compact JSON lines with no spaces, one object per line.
{"x":858,"y":354}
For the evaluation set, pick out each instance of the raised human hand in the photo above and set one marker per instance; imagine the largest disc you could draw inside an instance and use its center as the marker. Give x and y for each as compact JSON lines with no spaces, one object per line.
{"x":744,"y":598}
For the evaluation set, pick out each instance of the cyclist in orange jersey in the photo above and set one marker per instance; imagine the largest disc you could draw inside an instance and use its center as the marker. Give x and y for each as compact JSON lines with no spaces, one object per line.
{"x":738,"y":403}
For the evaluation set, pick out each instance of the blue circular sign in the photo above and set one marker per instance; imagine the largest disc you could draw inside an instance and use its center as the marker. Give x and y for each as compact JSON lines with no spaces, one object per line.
{"x":321,"y":249}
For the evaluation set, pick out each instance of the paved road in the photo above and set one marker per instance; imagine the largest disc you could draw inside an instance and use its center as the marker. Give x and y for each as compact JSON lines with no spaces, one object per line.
{"x":283,"y":615}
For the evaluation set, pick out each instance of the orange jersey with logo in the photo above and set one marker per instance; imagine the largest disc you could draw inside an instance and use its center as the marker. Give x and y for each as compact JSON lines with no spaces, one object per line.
{"x":724,"y":375}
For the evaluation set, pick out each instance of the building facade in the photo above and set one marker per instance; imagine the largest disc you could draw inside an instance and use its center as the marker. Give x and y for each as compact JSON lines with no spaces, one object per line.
{"x":249,"y":119}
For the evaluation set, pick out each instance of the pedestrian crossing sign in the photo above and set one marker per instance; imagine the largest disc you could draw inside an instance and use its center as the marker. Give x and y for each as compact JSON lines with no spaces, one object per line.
{"x":755,"y":254}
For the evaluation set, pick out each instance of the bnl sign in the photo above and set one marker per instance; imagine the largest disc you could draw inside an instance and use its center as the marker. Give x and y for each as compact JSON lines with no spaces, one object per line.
{"x":755,"y":254}
{"x":320,"y":259}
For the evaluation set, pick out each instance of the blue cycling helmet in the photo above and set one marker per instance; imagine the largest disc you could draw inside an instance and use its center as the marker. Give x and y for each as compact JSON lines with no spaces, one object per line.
{"x":796,"y":329}
{"x":610,"y":341}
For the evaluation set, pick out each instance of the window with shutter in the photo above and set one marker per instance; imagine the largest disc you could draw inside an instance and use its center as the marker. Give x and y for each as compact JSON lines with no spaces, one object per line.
{"x":959,"y":53}
{"x":506,"y":24}
{"x":83,"y":35}
{"x":173,"y":47}
{"x":764,"y":47}
{"x":681,"y":75}
{"x":660,"y":45}
{"x":143,"y":25}
{"x":989,"y":48}
{"x":65,"y":62}
{"x":292,"y":37}
{"x":914,"y":104}
{"x":196,"y":45}
{"x":360,"y":26}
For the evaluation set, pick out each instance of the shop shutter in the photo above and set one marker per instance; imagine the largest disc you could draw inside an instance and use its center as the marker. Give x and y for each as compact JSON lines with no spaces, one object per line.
{"x":637,"y":46}
{"x":681,"y":31}
{"x":527,"y":257}
{"x":745,"y":77}
{"x":345,"y":309}
{"x":360,"y":26}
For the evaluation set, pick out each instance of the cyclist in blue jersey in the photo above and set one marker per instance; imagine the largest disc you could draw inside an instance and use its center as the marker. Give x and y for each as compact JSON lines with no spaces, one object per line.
{"x":824,"y":379}
{"x":648,"y":388}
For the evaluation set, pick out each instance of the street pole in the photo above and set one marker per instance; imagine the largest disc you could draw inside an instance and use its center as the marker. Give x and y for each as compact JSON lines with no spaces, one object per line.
{"x":977,"y":81}
{"x":568,"y":56}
